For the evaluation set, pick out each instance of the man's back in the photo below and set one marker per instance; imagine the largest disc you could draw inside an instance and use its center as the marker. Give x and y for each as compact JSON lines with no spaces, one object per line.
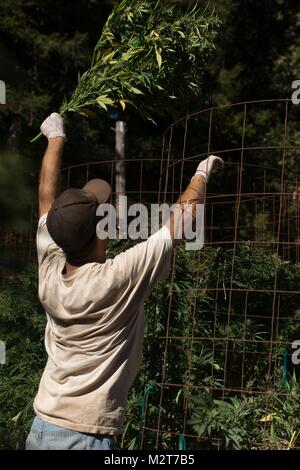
{"x":94,"y":334}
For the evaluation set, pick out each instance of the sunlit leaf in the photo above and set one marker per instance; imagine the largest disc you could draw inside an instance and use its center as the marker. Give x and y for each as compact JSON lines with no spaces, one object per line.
{"x":158,"y":57}
{"x":136,"y":91}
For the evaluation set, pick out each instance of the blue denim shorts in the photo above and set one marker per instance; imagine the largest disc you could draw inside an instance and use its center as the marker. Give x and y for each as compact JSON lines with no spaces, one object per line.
{"x":47,"y":436}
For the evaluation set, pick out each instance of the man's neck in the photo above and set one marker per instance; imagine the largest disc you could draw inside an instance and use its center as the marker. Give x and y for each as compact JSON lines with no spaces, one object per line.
{"x":69,"y":268}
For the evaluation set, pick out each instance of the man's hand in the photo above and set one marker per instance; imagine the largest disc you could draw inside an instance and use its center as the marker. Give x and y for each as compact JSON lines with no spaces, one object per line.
{"x":194,"y":194}
{"x":53,"y":126}
{"x":208,"y":166}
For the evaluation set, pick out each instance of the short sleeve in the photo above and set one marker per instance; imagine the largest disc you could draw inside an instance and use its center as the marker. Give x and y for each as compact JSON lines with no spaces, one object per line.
{"x":43,"y":240}
{"x":147,"y":262}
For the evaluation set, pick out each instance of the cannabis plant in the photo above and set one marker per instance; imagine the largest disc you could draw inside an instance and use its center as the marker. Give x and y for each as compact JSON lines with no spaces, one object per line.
{"x":149,"y":54}
{"x":22,"y":324}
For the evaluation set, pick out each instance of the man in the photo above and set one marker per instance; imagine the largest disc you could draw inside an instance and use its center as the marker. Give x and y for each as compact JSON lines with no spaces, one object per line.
{"x":94,"y":306}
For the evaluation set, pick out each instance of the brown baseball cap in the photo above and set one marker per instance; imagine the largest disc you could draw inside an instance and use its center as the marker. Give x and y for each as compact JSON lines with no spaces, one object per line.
{"x":72,"y":219}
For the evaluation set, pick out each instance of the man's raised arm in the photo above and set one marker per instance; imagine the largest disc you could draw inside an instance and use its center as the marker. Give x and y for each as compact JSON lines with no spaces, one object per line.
{"x":53,"y":129}
{"x":193,"y":195}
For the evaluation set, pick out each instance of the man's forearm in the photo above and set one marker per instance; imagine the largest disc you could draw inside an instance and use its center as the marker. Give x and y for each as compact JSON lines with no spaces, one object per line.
{"x":182,"y":219}
{"x":49,"y":175}
{"x":187,"y":205}
{"x":195,"y":192}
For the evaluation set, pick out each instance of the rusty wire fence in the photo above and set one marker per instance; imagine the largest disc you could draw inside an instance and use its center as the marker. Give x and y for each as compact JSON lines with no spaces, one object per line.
{"x":244,"y":304}
{"x":232,"y":335}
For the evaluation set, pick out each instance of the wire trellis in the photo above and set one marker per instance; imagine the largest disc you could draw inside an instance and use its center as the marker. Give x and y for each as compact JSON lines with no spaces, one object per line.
{"x":252,"y":213}
{"x":257,"y":210}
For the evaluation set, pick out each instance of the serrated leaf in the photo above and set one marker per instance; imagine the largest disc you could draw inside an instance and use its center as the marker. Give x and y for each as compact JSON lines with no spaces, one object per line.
{"x":154,"y":34}
{"x":158,"y":57}
{"x":105,"y":99}
{"x":101,"y":104}
{"x":267,"y":418}
{"x":136,"y":91}
{"x":107,"y":57}
{"x":16,"y":418}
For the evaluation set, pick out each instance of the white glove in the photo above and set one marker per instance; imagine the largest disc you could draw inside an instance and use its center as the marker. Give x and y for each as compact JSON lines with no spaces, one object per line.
{"x":208,"y":166}
{"x":53,"y":126}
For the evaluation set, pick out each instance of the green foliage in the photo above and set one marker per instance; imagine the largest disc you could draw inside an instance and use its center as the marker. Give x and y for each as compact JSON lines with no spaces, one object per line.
{"x":240,"y":421}
{"x":234,"y":422}
{"x":255,"y":422}
{"x":148,"y":54}
{"x":257,"y":56}
{"x":224,"y":421}
{"x":22,"y":324}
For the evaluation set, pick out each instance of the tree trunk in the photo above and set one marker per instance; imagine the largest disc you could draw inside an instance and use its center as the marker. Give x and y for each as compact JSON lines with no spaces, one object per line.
{"x":120,"y":167}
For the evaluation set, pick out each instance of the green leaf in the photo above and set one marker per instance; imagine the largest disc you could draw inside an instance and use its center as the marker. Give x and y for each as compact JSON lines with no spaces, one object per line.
{"x":104,"y":100}
{"x":107,"y":57}
{"x":16,"y":418}
{"x":101,"y":103}
{"x":136,"y":91}
{"x":158,"y":57}
{"x":131,"y":103}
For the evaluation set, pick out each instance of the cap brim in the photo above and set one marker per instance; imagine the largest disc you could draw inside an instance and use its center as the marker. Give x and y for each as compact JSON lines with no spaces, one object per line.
{"x":99,"y":188}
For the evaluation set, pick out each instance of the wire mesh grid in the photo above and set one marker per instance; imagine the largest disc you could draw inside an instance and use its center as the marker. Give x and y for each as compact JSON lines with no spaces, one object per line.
{"x":229,"y":312}
{"x":243,"y":311}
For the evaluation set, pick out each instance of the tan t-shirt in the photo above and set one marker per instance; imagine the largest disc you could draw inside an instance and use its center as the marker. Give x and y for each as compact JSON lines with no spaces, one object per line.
{"x":94,"y":332}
